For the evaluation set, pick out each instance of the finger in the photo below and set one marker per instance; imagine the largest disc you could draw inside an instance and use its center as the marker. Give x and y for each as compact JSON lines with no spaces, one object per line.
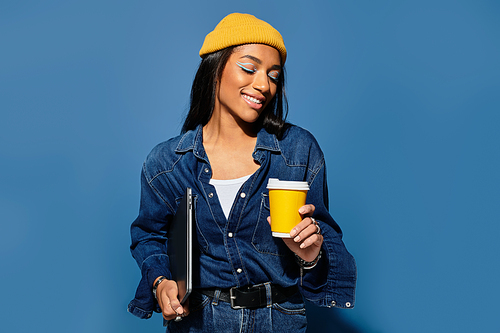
{"x":307,"y":210}
{"x":309,"y":231}
{"x":175,"y":304}
{"x":166,"y":310}
{"x":299,"y":228}
{"x":177,"y":315}
{"x":315,"y":239}
{"x":269,"y":220}
{"x":169,"y":314}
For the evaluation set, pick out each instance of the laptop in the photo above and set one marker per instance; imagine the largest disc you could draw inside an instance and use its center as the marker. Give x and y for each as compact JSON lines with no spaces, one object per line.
{"x":179,"y":246}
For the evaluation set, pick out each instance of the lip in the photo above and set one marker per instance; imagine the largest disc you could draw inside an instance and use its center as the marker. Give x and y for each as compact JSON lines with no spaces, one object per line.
{"x":254,"y":105}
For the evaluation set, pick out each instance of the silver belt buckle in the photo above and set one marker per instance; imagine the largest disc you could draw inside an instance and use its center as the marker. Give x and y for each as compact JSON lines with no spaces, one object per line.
{"x":232,"y":297}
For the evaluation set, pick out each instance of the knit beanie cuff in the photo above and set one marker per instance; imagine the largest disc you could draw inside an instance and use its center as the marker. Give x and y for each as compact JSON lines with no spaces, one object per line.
{"x":238,"y":29}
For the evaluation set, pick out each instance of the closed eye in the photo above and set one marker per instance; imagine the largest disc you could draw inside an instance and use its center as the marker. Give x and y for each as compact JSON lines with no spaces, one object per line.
{"x":247,"y":66}
{"x":274,"y":75}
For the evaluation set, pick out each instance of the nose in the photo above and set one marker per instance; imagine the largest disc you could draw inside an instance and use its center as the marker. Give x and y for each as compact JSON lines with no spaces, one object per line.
{"x":261,"y":82}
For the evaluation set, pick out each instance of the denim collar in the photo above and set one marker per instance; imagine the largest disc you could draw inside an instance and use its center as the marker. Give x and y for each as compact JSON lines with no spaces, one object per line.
{"x":193,"y":140}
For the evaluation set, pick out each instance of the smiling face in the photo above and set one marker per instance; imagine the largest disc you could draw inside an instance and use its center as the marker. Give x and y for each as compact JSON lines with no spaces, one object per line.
{"x":248,"y":83}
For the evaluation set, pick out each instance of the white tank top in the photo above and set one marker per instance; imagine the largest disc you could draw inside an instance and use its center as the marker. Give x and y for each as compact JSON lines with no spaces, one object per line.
{"x":227,"y":190}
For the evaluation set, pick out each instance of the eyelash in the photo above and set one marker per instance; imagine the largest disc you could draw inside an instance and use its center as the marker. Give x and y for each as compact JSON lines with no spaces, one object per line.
{"x":251,"y":71}
{"x":275,"y":78}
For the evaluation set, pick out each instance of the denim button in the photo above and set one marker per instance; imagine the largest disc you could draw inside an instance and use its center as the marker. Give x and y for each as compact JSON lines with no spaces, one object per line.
{"x":239,"y":270}
{"x":348,"y":304}
{"x":334,"y":303}
{"x":243,"y":195}
{"x":207,"y":170}
{"x":210,"y":195}
{"x":230,"y":235}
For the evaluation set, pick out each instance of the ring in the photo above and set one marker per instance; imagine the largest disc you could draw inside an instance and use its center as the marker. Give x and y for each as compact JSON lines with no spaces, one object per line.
{"x":178,"y":318}
{"x":316,"y":224}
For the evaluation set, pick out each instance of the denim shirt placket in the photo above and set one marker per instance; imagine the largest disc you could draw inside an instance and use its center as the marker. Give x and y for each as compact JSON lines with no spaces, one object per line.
{"x":229,"y":226}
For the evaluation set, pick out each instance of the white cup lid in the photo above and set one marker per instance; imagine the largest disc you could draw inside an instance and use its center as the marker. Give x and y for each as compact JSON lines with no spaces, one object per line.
{"x":276,"y":184}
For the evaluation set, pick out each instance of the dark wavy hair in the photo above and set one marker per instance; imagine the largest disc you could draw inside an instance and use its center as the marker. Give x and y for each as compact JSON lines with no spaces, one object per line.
{"x":203,"y":94}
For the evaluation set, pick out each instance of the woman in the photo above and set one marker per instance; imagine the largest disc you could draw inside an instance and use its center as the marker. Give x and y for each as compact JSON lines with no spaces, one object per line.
{"x":234,"y":139}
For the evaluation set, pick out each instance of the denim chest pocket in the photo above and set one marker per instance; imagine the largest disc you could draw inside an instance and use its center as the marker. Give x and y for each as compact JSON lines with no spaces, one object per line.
{"x":262,"y":239}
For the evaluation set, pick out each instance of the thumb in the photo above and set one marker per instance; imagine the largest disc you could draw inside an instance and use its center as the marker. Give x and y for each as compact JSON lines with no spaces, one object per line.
{"x":172,"y":292}
{"x":176,"y":305}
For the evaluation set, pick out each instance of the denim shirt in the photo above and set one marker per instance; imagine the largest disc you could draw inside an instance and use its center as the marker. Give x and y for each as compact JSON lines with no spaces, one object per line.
{"x":239,"y":250}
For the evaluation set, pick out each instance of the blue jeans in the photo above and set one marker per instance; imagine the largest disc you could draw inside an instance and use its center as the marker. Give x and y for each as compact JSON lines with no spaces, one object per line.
{"x":211,"y":315}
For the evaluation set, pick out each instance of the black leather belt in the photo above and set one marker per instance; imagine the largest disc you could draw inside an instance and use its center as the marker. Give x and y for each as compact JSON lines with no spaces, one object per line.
{"x":252,"y":297}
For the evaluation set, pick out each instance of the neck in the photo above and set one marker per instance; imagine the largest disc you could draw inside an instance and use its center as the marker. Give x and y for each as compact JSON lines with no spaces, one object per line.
{"x":228,"y":131}
{"x":229,"y":148}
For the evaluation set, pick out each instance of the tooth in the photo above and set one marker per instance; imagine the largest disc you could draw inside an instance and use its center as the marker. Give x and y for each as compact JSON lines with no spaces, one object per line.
{"x":255,"y":100}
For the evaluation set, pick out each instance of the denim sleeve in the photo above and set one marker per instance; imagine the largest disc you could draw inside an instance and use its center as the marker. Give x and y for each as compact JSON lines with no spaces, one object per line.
{"x":148,"y":233}
{"x":333,"y":281}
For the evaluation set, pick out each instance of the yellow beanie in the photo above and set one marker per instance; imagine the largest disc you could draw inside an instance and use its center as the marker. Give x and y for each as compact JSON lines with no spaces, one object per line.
{"x":237,"y":29}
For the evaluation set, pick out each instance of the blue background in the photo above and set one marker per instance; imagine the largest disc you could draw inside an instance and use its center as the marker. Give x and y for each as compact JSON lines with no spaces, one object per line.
{"x":403,"y":97}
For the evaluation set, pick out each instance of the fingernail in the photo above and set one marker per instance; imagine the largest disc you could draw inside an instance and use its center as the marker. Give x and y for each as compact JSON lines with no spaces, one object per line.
{"x":302,"y":245}
{"x":293,"y":233}
{"x":301,"y":210}
{"x":296,"y":239}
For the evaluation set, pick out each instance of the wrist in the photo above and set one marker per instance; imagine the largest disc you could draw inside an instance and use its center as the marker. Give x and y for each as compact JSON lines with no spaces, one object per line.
{"x":308,"y":264}
{"x":157,"y":283}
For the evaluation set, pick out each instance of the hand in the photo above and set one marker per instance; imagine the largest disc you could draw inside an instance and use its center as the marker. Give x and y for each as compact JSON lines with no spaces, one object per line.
{"x":305,"y":242}
{"x":171,"y":308}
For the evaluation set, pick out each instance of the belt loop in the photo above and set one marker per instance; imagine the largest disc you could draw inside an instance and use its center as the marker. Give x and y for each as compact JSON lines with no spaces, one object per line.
{"x":215,"y":300}
{"x":269,"y":294}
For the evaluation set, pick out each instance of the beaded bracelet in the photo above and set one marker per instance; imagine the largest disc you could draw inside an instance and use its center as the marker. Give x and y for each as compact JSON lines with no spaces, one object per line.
{"x":308,"y":264}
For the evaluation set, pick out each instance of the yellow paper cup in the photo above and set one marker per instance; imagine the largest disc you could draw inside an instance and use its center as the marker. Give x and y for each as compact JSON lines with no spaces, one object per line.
{"x":285,"y":199}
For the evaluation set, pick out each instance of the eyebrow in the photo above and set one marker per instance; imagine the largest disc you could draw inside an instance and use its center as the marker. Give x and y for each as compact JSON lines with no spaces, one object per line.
{"x":257,"y":60}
